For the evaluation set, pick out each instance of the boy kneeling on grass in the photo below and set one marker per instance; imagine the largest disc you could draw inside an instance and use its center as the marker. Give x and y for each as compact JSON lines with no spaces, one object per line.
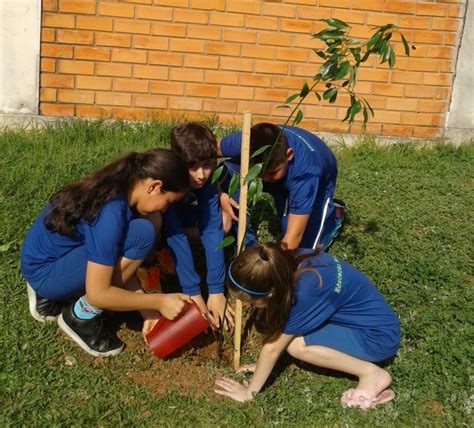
{"x":321,"y":310}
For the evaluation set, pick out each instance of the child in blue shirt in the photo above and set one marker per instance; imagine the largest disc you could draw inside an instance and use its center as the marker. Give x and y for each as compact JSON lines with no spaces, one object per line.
{"x":198,"y":214}
{"x":88,"y":242}
{"x":300,"y":175}
{"x":319,"y":309}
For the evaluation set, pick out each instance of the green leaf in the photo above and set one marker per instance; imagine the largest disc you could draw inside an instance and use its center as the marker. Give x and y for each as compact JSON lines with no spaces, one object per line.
{"x":348,"y":114}
{"x":327,"y":70}
{"x":343,"y":69}
{"x":317,"y":77}
{"x":345,"y":83}
{"x":355,"y":108}
{"x":374,"y":40}
{"x":329,"y":35}
{"x":405,"y":45}
{"x":356,"y":54}
{"x":320,"y":53}
{"x":336,"y":23}
{"x":260,"y":150}
{"x":317,"y":95}
{"x":291,"y":98}
{"x":298,"y":118}
{"x":329,"y":93}
{"x":366,"y":116}
{"x":234,"y":183}
{"x":304,"y":90}
{"x":332,"y":100}
{"x":217,"y":173}
{"x":228,"y":240}
{"x":253,"y":172}
{"x":391,"y":59}
{"x":251,"y":194}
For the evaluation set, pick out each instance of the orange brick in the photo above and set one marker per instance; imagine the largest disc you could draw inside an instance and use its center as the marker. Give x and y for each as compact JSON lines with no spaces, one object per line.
{"x":185,"y":104}
{"x":236,"y":92}
{"x":404,"y":7}
{"x":254,"y":80}
{"x":258,"y":52}
{"x":354,"y":16}
{"x":288,"y":82}
{"x":298,"y":26}
{"x":271,"y":95}
{"x":420,"y":64}
{"x":283,"y":10}
{"x":56,"y":81}
{"x":92,"y":111}
{"x":431,"y":92}
{"x":165,"y":58}
{"x":247,"y":7}
{"x":75,"y":67}
{"x":186,"y":45}
{"x":201,"y":61}
{"x":412,"y":22}
{"x":218,"y":48}
{"x":150,"y":72}
{"x":437,"y":79}
{"x":176,"y":3}
{"x":440,"y":52}
{"x":208,"y":4}
{"x":420,"y":119}
{"x":451,"y":39}
{"x":226,"y":19}
{"x":336,"y":3}
{"x":56,"y":109}
{"x":130,"y":85}
{"x":117,"y":70}
{"x":314,"y":13}
{"x":432,"y":9}
{"x":150,"y":42}
{"x":397,"y":130}
{"x":307,"y":70}
{"x":186,"y":75}
{"x":421,"y":132}
{"x":131,"y":113}
{"x":292,"y":54}
{"x":95,"y":83}
{"x":201,"y":90}
{"x":320,"y":112}
{"x":50,"y":5}
{"x":48,"y":35}
{"x":96,"y":54}
{"x":107,"y":39}
{"x":57,"y":20}
{"x":429,"y":106}
{"x":242,"y":36}
{"x":305,"y":41}
{"x":220,"y":106}
{"x":48,"y":65}
{"x":406,"y":77}
{"x":129,"y":55}
{"x":221,"y":77}
{"x":132,"y":26}
{"x":191,"y":16}
{"x":113,"y":98}
{"x":368,"y":4}
{"x":236,"y":64}
{"x":74,"y":96}
{"x":85,"y":7}
{"x":153,"y":101}
{"x":456,"y":11}
{"x":56,"y":51}
{"x":116,"y":9}
{"x":333,"y":126}
{"x":94,"y":23}
{"x":373,"y":75}
{"x":168,"y":30}
{"x":448,"y":24}
{"x":272,"y":67}
{"x":401,"y":104}
{"x":170,"y":88}
{"x":261,"y":22}
{"x":153,"y":12}
{"x":75,"y":37}
{"x":388,"y":89}
{"x":379,"y":19}
{"x":254,"y":106}
{"x":446,"y":66}
{"x":47,"y":94}
{"x":204,"y":32}
{"x":432,"y":37}
{"x":274,"y":39}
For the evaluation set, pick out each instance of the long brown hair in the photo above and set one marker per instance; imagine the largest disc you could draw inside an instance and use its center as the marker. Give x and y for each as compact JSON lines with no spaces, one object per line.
{"x":84,"y":198}
{"x":271,"y":270}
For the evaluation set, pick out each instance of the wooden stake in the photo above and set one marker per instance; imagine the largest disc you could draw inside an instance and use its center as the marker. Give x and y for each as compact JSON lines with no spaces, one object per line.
{"x":244,"y":168}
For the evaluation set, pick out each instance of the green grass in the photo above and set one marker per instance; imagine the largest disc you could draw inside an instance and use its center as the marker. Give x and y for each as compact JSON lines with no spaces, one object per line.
{"x":409,"y":229}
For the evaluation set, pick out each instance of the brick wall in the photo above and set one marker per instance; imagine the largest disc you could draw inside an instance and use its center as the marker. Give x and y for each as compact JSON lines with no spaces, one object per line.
{"x":136,"y":59}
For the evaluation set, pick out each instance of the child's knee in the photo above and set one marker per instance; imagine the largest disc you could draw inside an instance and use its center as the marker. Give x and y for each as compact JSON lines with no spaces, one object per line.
{"x":141,"y":238}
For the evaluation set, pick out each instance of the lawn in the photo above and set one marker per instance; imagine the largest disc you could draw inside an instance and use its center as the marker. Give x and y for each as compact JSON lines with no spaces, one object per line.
{"x":409,"y":229}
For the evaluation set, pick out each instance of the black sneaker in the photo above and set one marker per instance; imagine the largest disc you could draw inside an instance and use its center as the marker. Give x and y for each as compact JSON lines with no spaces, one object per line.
{"x":92,"y":335}
{"x":42,"y":309}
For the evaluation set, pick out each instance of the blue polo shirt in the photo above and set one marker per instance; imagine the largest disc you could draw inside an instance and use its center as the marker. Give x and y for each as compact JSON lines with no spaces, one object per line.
{"x":103,"y":239}
{"x":311,"y":175}
{"x":209,"y":222}
{"x":344,"y":296}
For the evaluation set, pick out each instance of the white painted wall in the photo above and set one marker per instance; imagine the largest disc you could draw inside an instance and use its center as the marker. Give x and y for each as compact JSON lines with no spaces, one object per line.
{"x":20,"y":32}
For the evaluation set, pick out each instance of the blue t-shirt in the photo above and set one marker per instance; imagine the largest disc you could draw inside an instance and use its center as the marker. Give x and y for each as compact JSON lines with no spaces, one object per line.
{"x":103,"y":239}
{"x":209,"y":222}
{"x":311,"y":175}
{"x":342,"y":295}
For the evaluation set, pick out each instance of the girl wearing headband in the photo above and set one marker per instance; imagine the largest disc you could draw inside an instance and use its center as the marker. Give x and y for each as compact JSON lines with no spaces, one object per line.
{"x":319,"y":309}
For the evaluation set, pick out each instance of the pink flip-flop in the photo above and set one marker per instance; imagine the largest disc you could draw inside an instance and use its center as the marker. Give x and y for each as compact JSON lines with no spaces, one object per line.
{"x":364,"y":402}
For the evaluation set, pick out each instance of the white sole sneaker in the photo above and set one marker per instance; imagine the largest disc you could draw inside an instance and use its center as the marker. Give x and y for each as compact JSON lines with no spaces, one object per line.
{"x":32,"y":306}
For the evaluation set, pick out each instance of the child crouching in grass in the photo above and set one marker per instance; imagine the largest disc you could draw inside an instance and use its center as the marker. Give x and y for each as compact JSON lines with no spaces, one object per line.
{"x":322,"y":311}
{"x":81,"y":254}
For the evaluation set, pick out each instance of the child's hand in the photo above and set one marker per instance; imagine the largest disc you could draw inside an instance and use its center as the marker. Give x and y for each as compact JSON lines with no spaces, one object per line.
{"x":231,"y":388}
{"x":249,"y":368}
{"x":202,"y":306}
{"x":227,"y":205}
{"x":216,"y":304}
{"x":173,"y":304}
{"x":150,"y":318}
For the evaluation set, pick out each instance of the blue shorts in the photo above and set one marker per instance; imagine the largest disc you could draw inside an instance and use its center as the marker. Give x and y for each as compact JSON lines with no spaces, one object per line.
{"x":67,"y":276}
{"x":343,"y":339}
